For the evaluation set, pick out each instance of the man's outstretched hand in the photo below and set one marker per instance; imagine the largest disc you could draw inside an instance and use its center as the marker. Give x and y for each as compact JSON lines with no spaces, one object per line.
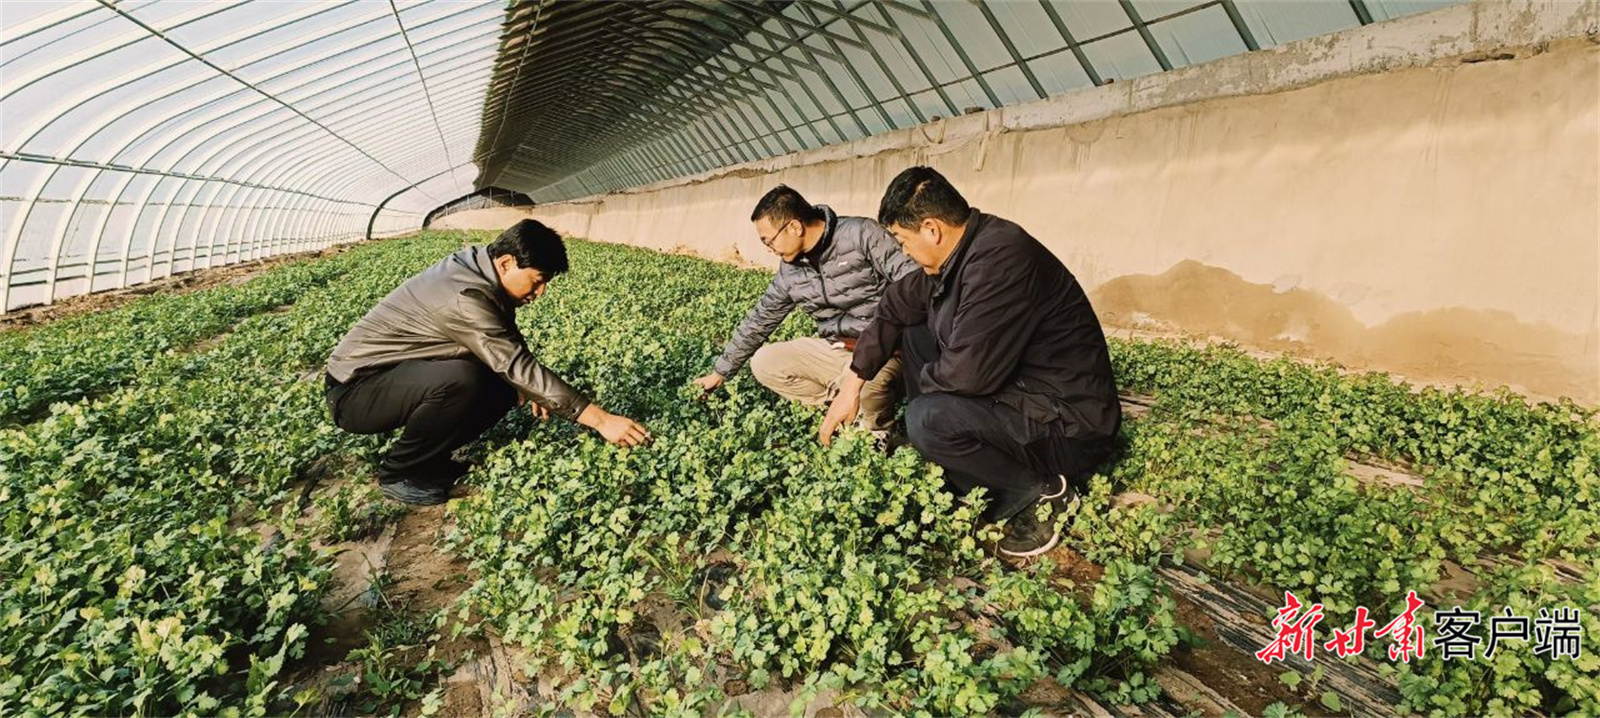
{"x":846,"y":405}
{"x":619,"y":430}
{"x":709,"y":382}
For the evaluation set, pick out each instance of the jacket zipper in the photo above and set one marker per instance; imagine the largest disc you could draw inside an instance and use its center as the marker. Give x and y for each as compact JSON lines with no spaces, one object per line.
{"x":822,"y":288}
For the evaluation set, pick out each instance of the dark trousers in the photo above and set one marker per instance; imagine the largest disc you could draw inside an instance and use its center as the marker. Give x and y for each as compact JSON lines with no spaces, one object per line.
{"x":979,"y":441}
{"x":440,"y":405}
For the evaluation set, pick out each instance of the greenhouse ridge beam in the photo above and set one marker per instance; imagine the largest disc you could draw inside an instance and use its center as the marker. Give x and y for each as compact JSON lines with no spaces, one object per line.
{"x":422,"y":79}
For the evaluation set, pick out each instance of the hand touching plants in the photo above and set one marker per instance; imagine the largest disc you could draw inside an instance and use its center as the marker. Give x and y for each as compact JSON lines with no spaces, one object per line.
{"x":844,"y":408}
{"x":619,"y":430}
{"x":710,"y":382}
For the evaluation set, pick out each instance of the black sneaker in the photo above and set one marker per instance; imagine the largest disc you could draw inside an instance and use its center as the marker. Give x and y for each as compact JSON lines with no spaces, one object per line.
{"x":448,"y":472}
{"x":1052,"y":493}
{"x":712,"y":578}
{"x":1026,"y":536}
{"x":1061,"y":500}
{"x":888,"y":441}
{"x":409,"y":491}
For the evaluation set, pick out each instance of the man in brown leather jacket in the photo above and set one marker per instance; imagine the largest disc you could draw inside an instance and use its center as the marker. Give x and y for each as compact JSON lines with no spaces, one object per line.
{"x":441,"y":358}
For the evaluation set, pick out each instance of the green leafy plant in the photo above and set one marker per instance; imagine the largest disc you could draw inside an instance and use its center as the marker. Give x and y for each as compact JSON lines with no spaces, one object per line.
{"x":733,"y":554}
{"x":353,"y":512}
{"x":130,"y":584}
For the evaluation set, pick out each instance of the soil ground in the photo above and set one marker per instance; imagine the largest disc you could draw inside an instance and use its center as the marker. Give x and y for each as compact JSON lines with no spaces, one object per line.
{"x":404,"y":568}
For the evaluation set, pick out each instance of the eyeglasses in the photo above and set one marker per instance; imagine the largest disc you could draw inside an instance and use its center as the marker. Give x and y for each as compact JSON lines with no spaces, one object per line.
{"x":769,"y":240}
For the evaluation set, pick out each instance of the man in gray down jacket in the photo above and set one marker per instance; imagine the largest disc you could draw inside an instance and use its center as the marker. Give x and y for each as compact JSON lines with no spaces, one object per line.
{"x":836,"y":269}
{"x":441,"y":358}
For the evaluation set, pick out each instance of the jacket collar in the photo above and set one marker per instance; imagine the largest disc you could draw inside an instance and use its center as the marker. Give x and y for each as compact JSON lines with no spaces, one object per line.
{"x":952,"y":264}
{"x":814,"y":257}
{"x":480,"y":263}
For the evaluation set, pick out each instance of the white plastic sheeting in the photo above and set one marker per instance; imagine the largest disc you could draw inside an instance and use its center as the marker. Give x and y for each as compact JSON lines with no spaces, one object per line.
{"x":147,"y":138}
{"x":139,"y":138}
{"x":786,"y":77}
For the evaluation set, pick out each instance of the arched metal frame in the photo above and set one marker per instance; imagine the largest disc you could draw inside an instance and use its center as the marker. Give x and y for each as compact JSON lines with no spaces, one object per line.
{"x":322,"y":122}
{"x":232,"y":170}
{"x":781,"y":77}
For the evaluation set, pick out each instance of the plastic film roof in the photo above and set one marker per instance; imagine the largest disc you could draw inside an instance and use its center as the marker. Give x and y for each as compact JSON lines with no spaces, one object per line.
{"x":139,"y":138}
{"x":589,"y":99}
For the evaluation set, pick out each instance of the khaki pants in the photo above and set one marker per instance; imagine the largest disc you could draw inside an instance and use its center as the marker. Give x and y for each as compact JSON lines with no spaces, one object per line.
{"x":809,"y":370}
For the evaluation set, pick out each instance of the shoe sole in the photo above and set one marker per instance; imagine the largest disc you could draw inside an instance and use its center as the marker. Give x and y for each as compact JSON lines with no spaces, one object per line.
{"x":1055,"y":538}
{"x":1059,"y":492}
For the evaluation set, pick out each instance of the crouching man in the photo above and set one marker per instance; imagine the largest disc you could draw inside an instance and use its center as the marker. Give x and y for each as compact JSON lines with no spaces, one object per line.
{"x":1007,"y":370}
{"x":835,"y":269}
{"x":442,"y":360}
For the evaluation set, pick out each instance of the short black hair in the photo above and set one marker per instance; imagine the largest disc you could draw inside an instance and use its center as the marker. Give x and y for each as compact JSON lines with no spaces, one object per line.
{"x":534,"y":245}
{"x":781,"y":204}
{"x":919,"y":193}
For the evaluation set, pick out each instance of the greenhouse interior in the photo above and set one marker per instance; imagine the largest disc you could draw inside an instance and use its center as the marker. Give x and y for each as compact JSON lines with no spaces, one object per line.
{"x":811,"y":358}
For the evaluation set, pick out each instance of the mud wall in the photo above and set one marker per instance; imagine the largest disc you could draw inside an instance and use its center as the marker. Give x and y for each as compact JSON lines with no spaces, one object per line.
{"x":1420,"y":196}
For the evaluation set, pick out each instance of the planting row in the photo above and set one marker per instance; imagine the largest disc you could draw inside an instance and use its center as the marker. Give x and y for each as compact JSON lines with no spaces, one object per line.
{"x":134,"y":574}
{"x":69,"y":359}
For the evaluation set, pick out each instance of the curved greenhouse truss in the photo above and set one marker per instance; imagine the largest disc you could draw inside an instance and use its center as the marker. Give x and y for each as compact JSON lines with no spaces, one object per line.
{"x":149,"y":137}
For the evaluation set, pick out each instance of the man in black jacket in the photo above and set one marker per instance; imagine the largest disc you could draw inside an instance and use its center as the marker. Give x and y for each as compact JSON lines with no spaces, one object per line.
{"x":1006,"y":364}
{"x":441,"y":358}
